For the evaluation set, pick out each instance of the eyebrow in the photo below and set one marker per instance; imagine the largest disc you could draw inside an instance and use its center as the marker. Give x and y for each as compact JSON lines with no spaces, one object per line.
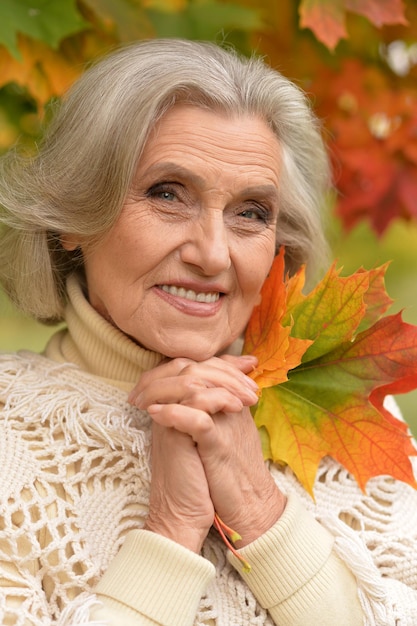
{"x":173,"y":171}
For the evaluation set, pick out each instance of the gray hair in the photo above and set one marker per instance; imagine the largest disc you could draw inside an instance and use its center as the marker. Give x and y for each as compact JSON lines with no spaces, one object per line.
{"x":79,"y":178}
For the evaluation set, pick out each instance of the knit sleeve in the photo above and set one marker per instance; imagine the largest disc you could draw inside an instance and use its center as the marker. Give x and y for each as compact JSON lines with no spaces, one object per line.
{"x":149,"y":568}
{"x":296,"y":575}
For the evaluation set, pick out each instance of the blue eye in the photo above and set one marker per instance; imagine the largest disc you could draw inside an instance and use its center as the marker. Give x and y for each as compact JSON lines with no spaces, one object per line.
{"x":251,"y":215}
{"x":167,"y":195}
{"x":256,"y":214}
{"x":158,"y":191}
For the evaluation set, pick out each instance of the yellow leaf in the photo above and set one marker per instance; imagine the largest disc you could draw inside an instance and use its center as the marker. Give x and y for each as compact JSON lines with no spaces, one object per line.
{"x":43,"y":71}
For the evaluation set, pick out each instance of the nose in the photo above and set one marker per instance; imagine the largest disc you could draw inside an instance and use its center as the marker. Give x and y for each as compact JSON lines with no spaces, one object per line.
{"x":207,"y":245}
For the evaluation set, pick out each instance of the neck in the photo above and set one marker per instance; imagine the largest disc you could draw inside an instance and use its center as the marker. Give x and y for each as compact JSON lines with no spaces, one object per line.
{"x":96,"y":346}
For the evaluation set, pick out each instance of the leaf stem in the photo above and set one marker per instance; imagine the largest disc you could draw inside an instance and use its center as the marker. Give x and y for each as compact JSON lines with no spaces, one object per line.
{"x":229,"y":535}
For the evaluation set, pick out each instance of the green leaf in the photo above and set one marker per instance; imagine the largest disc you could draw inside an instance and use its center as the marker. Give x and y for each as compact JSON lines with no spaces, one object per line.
{"x":331,"y":313}
{"x":127,"y":17}
{"x":49,"y":21}
{"x":205,"y":20}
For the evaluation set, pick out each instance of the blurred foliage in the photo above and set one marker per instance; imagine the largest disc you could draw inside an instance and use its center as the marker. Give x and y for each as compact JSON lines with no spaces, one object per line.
{"x":356,"y":60}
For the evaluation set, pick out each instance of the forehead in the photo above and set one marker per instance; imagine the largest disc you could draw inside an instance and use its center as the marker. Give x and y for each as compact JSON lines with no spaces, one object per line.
{"x":188,"y":132}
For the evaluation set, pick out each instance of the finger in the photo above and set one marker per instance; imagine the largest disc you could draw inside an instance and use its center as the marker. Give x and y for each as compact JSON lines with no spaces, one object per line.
{"x":219,"y":372}
{"x":193,"y":422}
{"x":212,"y":400}
{"x":191,"y":391}
{"x":245,"y":362}
{"x":166,"y":370}
{"x":172,"y":390}
{"x":215,"y":372}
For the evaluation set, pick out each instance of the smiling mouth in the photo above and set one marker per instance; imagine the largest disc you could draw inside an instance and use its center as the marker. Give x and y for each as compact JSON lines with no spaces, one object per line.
{"x":189,"y":294}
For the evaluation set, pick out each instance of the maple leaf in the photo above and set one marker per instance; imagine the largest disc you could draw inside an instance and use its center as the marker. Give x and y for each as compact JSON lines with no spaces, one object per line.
{"x":331,"y":401}
{"x":379,"y":12}
{"x":49,"y":22}
{"x":267,"y":338}
{"x":326,"y":18}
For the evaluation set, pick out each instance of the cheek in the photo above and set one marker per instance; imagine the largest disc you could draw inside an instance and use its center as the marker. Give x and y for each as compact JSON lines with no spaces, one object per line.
{"x":253,"y":288}
{"x":254,"y":270}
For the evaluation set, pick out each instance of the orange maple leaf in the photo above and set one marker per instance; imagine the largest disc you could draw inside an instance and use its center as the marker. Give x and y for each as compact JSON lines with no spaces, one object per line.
{"x":329,"y":399}
{"x":267,"y":338}
{"x":326,"y":18}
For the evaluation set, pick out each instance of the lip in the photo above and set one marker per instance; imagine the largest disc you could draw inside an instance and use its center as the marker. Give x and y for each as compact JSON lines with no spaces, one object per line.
{"x":192,"y":307}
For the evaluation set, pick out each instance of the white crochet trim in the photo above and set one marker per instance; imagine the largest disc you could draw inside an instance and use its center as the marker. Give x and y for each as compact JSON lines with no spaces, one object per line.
{"x":78,"y":612}
{"x":371,"y":590}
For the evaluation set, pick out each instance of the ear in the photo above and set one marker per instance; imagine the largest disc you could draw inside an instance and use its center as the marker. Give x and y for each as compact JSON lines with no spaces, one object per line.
{"x":69,"y":242}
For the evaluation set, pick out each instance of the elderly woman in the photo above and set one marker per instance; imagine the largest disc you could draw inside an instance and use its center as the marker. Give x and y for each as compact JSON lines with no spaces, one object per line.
{"x":148,"y":222}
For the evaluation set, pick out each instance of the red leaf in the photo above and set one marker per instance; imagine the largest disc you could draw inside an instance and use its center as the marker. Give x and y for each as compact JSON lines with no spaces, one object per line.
{"x":326,"y":18}
{"x":332,"y":402}
{"x":379,"y":12}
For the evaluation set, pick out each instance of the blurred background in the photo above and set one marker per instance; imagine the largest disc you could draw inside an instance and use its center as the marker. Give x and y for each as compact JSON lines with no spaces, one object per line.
{"x":359,"y":69}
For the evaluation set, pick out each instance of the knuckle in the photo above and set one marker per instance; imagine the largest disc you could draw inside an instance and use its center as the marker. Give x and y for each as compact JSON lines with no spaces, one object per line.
{"x":188,"y":369}
{"x":192,"y":384}
{"x":144,"y":381}
{"x":182,"y":363}
{"x":203,"y":424}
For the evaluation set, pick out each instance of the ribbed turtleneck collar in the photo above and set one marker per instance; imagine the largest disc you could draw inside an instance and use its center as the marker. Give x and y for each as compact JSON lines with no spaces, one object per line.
{"x":96,"y":346}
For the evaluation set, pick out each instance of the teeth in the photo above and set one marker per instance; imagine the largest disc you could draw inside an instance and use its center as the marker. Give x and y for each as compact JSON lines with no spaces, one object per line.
{"x":189,"y":294}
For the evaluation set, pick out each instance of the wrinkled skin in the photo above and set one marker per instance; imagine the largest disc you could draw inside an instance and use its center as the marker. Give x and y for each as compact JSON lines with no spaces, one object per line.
{"x":206,"y":451}
{"x":180,"y":273}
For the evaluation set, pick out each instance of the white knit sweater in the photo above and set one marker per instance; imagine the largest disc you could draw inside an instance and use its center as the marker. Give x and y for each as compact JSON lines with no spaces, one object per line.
{"x":74,"y":484}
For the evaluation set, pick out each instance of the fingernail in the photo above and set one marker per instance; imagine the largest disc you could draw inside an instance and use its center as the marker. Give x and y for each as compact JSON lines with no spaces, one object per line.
{"x":154,"y":408}
{"x":253,"y":396}
{"x":252,"y":384}
{"x":135,"y":399}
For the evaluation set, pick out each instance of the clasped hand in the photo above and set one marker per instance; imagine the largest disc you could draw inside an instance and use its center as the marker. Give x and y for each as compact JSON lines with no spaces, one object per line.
{"x":206,"y":452}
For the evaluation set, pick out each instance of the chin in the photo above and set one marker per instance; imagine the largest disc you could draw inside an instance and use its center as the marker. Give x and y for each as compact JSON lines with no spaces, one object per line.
{"x":203,"y":353}
{"x":188,"y":353}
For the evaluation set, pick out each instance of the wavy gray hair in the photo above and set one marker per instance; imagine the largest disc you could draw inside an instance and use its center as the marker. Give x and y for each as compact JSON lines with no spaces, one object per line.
{"x":78,"y":180}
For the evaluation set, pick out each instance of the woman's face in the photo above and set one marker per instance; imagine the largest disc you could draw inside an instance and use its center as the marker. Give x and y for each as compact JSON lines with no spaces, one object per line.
{"x":181,"y":269}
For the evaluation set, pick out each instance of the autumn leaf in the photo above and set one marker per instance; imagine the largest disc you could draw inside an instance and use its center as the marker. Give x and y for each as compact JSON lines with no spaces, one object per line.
{"x":267,"y":338}
{"x":379,"y":12}
{"x":326,"y":18}
{"x":331,"y":313}
{"x":45,"y":21}
{"x":42,"y":70}
{"x":203,"y":19}
{"x":127,"y":20}
{"x":332,"y":402}
{"x":376,"y":299}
